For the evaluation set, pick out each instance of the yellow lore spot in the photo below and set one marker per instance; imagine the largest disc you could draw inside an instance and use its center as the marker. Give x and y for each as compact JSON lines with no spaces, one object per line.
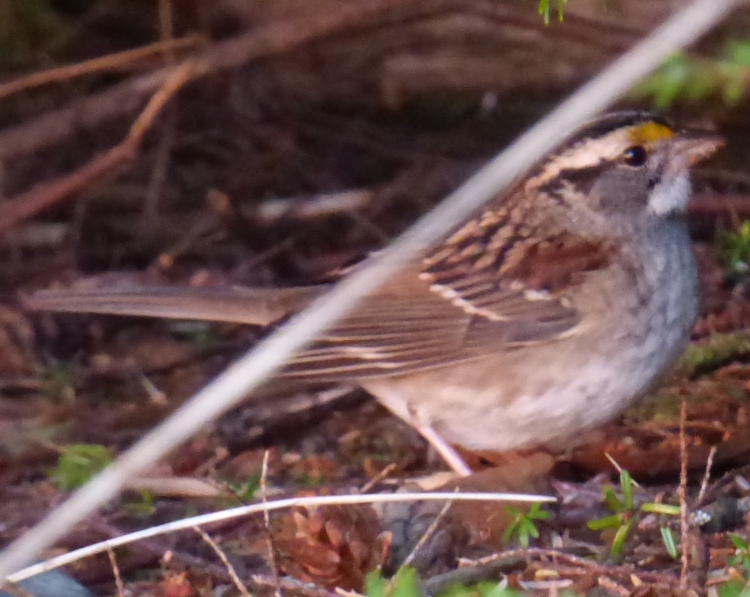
{"x":649,"y":132}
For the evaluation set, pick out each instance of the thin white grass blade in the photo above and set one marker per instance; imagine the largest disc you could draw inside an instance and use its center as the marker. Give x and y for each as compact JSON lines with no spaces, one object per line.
{"x":324,"y":500}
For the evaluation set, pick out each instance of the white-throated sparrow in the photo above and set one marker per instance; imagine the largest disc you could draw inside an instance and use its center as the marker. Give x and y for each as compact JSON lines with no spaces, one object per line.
{"x":546,"y":313}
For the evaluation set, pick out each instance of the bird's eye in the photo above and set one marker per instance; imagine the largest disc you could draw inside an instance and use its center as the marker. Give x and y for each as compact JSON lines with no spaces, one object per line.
{"x":635,"y":156}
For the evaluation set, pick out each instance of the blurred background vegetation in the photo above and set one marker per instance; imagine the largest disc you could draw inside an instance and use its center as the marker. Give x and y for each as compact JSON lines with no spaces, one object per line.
{"x":406,"y":101}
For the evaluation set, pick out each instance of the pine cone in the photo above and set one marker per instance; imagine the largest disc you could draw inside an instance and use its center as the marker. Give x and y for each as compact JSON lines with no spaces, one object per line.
{"x":333,"y":546}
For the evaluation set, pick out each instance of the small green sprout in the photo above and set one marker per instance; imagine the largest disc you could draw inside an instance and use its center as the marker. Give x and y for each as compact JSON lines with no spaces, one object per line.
{"x":545,"y":9}
{"x":626,"y":515}
{"x":734,"y":588}
{"x":245,"y":492}
{"x":522,"y":526}
{"x":78,"y":463}
{"x":143,"y":505}
{"x":669,"y":542}
{"x":405,"y":583}
{"x":740,"y":561}
{"x":741,"y":558}
{"x":735,"y":248}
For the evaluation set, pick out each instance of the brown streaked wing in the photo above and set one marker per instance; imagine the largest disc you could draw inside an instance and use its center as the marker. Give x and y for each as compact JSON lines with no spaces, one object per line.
{"x":501,"y":268}
{"x":386,"y":334}
{"x":454,"y":312}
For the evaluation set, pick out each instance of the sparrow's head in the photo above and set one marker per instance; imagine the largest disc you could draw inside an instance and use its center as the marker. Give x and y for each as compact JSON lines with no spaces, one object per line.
{"x":627,"y":164}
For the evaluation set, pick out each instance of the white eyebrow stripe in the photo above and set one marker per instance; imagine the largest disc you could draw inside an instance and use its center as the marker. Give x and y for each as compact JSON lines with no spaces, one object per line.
{"x":586,"y":154}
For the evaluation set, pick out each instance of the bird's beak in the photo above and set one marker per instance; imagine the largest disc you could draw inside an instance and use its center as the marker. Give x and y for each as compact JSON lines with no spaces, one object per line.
{"x":685,"y":151}
{"x":694,"y":147}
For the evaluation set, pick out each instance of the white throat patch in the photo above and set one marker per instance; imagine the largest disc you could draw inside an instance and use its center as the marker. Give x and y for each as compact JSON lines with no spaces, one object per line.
{"x":671,"y":195}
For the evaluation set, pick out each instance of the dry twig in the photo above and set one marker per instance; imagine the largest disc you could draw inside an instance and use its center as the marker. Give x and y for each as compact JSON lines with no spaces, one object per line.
{"x":111,"y":62}
{"x":706,"y":475}
{"x":682,"y":494}
{"x":26,"y":205}
{"x":222,"y":556}
{"x":293,"y":585}
{"x":267,"y":524}
{"x":302,"y":208}
{"x":427,"y":534}
{"x":613,"y":587}
{"x":160,"y":168}
{"x":621,"y":571}
{"x":377,"y":478}
{"x":116,"y":573}
{"x":468,"y":575}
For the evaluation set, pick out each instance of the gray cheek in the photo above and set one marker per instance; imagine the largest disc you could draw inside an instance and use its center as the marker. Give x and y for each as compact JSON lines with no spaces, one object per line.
{"x":671,"y":195}
{"x":621,"y":192}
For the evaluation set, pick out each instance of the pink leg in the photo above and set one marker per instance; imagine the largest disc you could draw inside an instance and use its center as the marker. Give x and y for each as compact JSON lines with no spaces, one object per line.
{"x":451,"y":457}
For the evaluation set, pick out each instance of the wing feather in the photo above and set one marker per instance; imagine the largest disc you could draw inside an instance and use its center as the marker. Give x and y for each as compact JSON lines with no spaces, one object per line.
{"x":502,"y":281}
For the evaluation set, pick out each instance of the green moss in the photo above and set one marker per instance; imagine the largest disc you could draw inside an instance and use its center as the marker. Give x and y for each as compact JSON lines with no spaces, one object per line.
{"x":718,"y":350}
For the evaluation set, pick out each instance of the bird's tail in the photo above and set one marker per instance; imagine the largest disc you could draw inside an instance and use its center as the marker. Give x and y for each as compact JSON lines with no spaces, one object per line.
{"x":256,"y":306}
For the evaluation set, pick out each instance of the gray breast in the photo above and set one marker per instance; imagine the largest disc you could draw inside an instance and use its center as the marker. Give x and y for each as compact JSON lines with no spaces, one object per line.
{"x":545,"y":393}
